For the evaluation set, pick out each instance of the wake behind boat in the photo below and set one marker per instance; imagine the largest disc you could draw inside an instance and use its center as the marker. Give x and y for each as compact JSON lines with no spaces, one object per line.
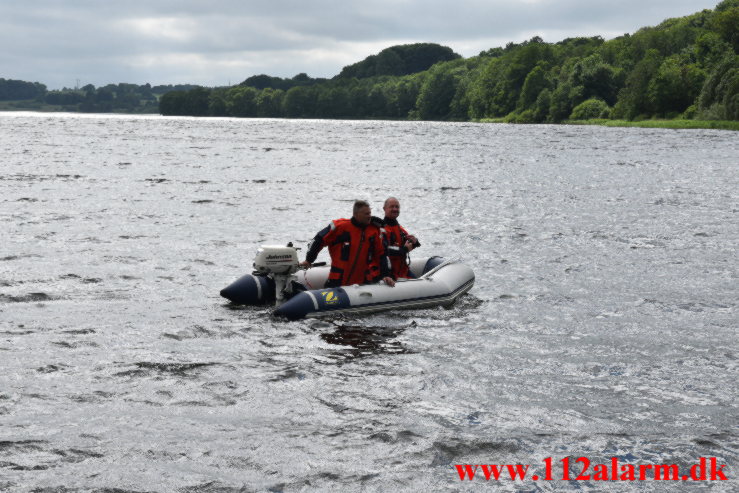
{"x":300,"y":293}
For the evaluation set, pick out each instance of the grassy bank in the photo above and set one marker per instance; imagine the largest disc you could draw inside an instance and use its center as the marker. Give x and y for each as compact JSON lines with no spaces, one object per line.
{"x":677,"y":124}
{"x":490,"y":120}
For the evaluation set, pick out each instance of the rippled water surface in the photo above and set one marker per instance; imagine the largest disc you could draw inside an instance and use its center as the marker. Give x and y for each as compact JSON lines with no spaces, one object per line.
{"x":603,"y":322}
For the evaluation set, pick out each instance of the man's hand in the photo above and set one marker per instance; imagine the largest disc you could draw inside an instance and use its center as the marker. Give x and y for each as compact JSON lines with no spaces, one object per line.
{"x":413,"y":242}
{"x":389,"y":281}
{"x":305,"y":264}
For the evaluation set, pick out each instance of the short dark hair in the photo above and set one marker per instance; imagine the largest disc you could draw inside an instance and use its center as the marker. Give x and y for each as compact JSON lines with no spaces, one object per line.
{"x":359,"y":204}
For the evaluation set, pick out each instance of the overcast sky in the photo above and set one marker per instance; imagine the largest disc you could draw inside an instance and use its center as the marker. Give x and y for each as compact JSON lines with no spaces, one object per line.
{"x":219,"y":42}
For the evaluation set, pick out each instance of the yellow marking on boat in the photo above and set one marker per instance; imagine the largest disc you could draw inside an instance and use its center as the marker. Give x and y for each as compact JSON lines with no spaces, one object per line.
{"x":330,"y":297}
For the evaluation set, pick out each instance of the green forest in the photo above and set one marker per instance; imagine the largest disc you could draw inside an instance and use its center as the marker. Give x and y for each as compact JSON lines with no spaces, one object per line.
{"x":121,"y":98}
{"x":683,"y":68}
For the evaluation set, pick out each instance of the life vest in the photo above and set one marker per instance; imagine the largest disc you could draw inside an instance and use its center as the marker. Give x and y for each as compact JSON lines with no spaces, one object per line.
{"x":356,"y":252}
{"x":394,"y":238}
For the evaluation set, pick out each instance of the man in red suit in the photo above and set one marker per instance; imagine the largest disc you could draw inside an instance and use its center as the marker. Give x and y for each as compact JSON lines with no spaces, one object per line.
{"x":356,"y":249}
{"x":398,"y":242}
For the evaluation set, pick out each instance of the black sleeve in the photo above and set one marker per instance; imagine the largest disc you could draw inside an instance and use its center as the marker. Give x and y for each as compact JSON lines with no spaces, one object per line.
{"x":416,"y":243}
{"x":315,"y":246}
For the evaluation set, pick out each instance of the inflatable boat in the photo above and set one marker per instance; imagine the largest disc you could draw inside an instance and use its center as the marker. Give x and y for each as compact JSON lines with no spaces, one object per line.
{"x":298,"y":293}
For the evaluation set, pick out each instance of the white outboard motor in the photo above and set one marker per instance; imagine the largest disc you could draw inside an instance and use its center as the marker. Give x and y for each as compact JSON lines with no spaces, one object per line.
{"x":280,"y":263}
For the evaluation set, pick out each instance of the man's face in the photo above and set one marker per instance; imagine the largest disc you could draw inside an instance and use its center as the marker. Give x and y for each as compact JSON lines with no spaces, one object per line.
{"x":363,"y":216}
{"x":392,"y":209}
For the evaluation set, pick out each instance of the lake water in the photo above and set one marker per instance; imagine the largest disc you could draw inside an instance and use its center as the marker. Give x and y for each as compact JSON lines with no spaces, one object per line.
{"x":603,"y":322}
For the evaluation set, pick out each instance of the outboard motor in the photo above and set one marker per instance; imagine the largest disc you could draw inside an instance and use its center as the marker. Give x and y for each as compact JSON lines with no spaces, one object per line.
{"x":274,"y":269}
{"x":280,"y":263}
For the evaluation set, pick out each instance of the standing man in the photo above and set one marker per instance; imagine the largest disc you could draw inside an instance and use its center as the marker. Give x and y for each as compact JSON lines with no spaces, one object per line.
{"x":396,"y":239}
{"x":356,"y":249}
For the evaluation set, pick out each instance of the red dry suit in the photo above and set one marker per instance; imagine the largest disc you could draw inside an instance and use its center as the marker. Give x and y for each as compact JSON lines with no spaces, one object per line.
{"x":357,"y":252}
{"x":394,"y":238}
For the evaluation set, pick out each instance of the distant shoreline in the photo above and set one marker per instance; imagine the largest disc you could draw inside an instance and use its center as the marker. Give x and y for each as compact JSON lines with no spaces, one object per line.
{"x":32,"y":105}
{"x":678,"y":124}
{"x":673,"y":124}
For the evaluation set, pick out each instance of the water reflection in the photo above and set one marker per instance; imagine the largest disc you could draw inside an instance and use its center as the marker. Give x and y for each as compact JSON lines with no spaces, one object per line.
{"x":361,"y":341}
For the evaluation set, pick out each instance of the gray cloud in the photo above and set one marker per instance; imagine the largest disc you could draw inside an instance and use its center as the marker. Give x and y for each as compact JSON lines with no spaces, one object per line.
{"x":213,"y":43}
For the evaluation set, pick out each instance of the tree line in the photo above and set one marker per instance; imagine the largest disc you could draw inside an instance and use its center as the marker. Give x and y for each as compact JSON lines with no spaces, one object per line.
{"x":128,"y":98}
{"x":17,"y":89}
{"x":685,"y":67}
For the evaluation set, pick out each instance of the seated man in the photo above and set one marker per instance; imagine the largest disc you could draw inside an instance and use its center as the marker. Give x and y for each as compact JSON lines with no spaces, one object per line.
{"x":397,"y":240}
{"x":356,"y":249}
